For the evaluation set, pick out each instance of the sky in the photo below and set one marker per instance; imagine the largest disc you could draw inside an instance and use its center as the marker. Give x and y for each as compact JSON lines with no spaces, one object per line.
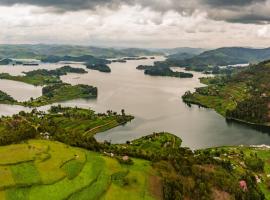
{"x":137,"y":23}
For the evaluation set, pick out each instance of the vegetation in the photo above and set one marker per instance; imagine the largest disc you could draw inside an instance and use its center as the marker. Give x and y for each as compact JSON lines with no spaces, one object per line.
{"x":41,"y":51}
{"x":43,"y":76}
{"x":162,"y":69}
{"x":99,"y":67}
{"x":5,"y":61}
{"x":62,"y":92}
{"x":85,"y":59}
{"x":243,"y":96}
{"x":73,"y":126}
{"x":6,"y":99}
{"x":54,"y":91}
{"x":57,"y":171}
{"x":220,"y":57}
{"x":33,"y":168}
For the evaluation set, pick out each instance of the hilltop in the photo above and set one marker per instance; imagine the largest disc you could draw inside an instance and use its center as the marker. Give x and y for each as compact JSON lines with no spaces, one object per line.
{"x":220,"y":57}
{"x":39,"y":51}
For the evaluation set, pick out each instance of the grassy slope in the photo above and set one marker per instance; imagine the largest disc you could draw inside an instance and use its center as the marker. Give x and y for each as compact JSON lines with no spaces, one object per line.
{"x":243,"y":96}
{"x":33,"y":80}
{"x":220,"y":98}
{"x":237,"y":156}
{"x":71,"y":173}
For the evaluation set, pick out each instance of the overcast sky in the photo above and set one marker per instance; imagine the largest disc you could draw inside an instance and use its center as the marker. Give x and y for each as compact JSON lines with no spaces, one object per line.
{"x":137,"y":23}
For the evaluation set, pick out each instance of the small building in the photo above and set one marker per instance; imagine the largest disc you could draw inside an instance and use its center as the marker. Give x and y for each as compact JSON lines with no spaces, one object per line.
{"x":243,"y":185}
{"x":125,"y":158}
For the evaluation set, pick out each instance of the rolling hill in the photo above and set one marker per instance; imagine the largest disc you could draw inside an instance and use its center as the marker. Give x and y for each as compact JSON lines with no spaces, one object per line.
{"x":244,"y":96}
{"x":221,"y":57}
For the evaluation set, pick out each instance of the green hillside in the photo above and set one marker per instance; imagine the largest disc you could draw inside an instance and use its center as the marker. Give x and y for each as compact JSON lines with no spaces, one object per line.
{"x":221,"y":57}
{"x":244,"y":96}
{"x":40,"y":169}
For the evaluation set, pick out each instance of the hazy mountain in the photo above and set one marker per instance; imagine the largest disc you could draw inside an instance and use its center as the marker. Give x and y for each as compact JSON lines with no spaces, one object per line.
{"x":41,"y":50}
{"x":181,"y":50}
{"x":223,"y":56}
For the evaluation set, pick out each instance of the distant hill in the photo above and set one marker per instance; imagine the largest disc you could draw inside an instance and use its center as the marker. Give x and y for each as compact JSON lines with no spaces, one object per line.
{"x":181,"y":50}
{"x":180,"y":56}
{"x":39,"y":51}
{"x":223,"y":56}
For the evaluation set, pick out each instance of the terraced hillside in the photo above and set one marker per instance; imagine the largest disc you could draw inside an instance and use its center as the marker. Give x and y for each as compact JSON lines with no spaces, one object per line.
{"x":40,"y":169}
{"x":244,"y":96}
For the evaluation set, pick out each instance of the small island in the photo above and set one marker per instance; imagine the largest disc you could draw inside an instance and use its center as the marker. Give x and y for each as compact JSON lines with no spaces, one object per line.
{"x":54,"y":89}
{"x":62,"y":92}
{"x":161,"y":69}
{"x":99,"y":67}
{"x":42,"y":77}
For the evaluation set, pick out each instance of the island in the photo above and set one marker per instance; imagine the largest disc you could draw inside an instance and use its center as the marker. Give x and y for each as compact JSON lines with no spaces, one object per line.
{"x":64,"y":157}
{"x":54,"y":90}
{"x":162,"y":69}
{"x":42,"y":77}
{"x":243,"y":96}
{"x":99,"y":67}
{"x":62,"y":92}
{"x":6,"y":99}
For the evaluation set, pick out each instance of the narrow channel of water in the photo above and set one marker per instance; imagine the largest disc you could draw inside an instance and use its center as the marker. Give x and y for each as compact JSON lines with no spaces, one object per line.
{"x":156,"y":103}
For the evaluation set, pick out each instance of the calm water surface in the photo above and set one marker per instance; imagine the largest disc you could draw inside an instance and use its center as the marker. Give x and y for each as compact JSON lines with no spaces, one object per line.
{"x":154,"y":101}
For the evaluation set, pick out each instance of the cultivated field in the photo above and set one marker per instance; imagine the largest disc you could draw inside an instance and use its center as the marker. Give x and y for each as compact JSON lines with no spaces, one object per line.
{"x":41,"y":169}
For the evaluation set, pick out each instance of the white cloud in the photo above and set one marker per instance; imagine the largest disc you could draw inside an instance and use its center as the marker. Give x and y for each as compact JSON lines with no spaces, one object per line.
{"x":263,"y":32}
{"x":127,"y":26}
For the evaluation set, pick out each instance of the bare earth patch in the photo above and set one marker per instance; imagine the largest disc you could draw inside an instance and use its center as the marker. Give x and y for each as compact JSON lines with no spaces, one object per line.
{"x":220,"y":195}
{"x":155,"y":187}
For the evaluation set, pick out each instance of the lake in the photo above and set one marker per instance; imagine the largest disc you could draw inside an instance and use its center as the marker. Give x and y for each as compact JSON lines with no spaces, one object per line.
{"x":154,"y":101}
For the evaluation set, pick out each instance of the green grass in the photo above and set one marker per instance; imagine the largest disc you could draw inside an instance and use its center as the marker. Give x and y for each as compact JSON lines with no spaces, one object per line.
{"x":71,"y":173}
{"x":219,"y":98}
{"x":72,"y":168}
{"x":233,"y":155}
{"x":25,"y":174}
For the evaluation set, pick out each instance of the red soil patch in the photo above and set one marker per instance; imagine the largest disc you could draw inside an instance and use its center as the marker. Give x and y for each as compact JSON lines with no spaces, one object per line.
{"x":155,"y":187}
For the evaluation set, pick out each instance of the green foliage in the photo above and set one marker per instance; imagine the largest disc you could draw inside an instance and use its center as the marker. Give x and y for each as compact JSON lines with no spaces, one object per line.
{"x":62,"y":92}
{"x":72,"y":168}
{"x":43,"y":76}
{"x":25,"y":174}
{"x":6,"y":99}
{"x":41,"y":51}
{"x":243,"y":96}
{"x":221,"y":57}
{"x":162,"y":69}
{"x":99,"y":67}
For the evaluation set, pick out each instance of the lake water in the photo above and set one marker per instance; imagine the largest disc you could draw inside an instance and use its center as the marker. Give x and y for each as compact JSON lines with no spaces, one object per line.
{"x":156,"y":104}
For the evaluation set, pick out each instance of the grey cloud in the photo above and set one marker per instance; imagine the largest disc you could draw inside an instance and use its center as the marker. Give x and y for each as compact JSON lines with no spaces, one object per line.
{"x":238,"y":11}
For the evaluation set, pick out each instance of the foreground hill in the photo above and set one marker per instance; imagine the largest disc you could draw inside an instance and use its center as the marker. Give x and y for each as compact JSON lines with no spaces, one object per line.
{"x":244,"y":96}
{"x":40,"y":169}
{"x":43,"y":169}
{"x":221,"y":57}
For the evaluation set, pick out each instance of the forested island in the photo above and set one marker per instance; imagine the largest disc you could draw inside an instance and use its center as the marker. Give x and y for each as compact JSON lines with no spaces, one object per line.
{"x":162,"y":69}
{"x":243,"y":96}
{"x":54,"y":89}
{"x":36,"y":158}
{"x":99,"y":67}
{"x":42,"y":76}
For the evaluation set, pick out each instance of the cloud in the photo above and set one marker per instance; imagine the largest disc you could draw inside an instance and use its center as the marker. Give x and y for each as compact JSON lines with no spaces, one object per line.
{"x":130,"y":26}
{"x":237,"y":11}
